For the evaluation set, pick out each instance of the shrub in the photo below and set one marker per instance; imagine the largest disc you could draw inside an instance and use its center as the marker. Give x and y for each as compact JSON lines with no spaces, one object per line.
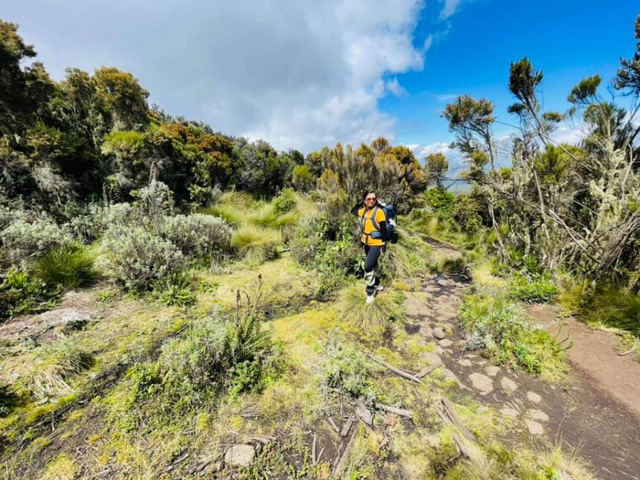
{"x":347,"y":371}
{"x":55,"y":365}
{"x":155,"y":200}
{"x":285,"y":202}
{"x":502,"y":327}
{"x":21,"y":293}
{"x":532,"y":289}
{"x":329,"y":247}
{"x":23,"y":238}
{"x":68,"y":266}
{"x":136,"y":259}
{"x":212,"y":357}
{"x":177,"y":289}
{"x":439,"y":199}
{"x":197,"y":235}
{"x":375,"y":316}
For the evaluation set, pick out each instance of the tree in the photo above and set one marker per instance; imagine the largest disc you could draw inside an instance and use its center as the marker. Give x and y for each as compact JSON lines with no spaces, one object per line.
{"x":436,"y":167}
{"x":124,"y":99}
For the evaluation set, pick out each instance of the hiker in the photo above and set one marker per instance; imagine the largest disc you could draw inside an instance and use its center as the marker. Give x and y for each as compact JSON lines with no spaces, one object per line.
{"x":374,"y":237}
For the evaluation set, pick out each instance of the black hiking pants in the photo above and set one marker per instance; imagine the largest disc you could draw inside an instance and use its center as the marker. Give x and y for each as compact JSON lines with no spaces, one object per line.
{"x":371,"y":262}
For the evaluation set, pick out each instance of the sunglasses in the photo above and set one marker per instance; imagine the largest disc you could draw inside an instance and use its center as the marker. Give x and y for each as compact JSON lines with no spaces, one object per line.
{"x":370,"y":199}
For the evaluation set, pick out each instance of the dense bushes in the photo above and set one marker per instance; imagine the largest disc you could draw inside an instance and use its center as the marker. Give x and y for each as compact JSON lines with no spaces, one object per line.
{"x":197,"y":235}
{"x":23,"y":293}
{"x":502,"y":328}
{"x":136,"y":258}
{"x":25,"y":237}
{"x":213,"y":356}
{"x":328,"y":246}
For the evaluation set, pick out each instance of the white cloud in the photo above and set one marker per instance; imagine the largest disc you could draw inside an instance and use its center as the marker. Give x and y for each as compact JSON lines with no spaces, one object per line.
{"x":568,"y":134}
{"x":300,"y":74}
{"x":450,"y":7}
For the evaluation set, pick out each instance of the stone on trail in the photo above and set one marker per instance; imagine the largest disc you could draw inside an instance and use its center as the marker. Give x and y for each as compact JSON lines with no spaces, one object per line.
{"x":449,"y":375}
{"x":439,"y":350}
{"x":240,"y":455}
{"x":426,"y":331}
{"x":363,"y":413}
{"x":508,"y":385}
{"x":465,"y":362}
{"x":445,"y":342}
{"x":509,"y":412}
{"x":538,"y":415}
{"x":431,"y":357}
{"x":534,"y":427}
{"x":481,"y":382}
{"x":438,"y":333}
{"x":492,"y":370}
{"x":534,"y":397}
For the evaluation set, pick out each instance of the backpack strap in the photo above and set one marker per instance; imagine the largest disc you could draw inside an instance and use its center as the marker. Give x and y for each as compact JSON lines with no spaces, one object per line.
{"x":373,"y":218}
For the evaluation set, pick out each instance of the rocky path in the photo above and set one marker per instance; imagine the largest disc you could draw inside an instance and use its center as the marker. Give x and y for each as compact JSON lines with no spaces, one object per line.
{"x":578,"y":413}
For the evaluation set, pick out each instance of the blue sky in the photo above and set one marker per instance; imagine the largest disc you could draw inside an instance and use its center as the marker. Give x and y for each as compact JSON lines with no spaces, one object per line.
{"x":568,"y":40}
{"x":304,"y":74}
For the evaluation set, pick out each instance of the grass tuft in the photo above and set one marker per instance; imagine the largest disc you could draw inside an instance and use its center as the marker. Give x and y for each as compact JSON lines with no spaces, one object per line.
{"x":67,"y":266}
{"x":386,"y":309}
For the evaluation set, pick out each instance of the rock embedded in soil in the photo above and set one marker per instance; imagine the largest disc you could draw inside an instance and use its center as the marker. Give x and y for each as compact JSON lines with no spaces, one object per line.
{"x":438,"y":333}
{"x":508,"y":385}
{"x":465,"y":362}
{"x":363,"y":413}
{"x":509,"y":412}
{"x":534,"y":397}
{"x":481,"y":382}
{"x":492,"y":370}
{"x":431,"y":357}
{"x":240,"y":455}
{"x":534,"y":427}
{"x":538,"y":415}
{"x":449,"y":375}
{"x":445,"y":342}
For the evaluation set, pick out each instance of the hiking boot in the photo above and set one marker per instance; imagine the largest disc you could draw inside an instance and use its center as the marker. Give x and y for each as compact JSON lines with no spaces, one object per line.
{"x":370,"y":298}
{"x":379,"y":288}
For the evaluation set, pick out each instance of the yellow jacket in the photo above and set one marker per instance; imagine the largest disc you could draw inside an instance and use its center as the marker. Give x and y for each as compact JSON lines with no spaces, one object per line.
{"x":368,"y":227}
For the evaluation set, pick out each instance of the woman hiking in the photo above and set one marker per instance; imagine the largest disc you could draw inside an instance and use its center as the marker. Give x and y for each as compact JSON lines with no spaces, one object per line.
{"x":374,"y":237}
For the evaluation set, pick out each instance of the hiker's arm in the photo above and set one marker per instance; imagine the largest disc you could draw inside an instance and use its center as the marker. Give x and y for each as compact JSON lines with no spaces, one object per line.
{"x":354,"y":210}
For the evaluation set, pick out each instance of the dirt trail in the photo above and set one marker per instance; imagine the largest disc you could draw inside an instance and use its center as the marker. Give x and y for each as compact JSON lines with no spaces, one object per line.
{"x":596,"y":354}
{"x":595,"y":412}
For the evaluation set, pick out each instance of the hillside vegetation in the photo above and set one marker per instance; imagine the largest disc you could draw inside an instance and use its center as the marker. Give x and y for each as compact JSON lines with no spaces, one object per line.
{"x":179,"y":303}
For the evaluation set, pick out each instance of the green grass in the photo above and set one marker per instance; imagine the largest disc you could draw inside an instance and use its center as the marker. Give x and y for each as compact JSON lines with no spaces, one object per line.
{"x":501,"y":326}
{"x":376,"y":316}
{"x":257,"y":242}
{"x":67,"y":266}
{"x":55,"y":365}
{"x":532,"y":288}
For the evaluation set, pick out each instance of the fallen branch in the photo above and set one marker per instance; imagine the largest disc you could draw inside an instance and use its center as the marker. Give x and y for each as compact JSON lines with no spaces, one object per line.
{"x":398,"y":411}
{"x":426,"y":371}
{"x":337,"y":471}
{"x":313,"y":448}
{"x":395,"y":370}
{"x":333,"y":424}
{"x":635,"y":344}
{"x":346,"y":428}
{"x":448,"y":412}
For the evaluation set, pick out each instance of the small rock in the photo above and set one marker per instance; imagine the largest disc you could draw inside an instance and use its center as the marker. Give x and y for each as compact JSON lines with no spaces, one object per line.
{"x":391,"y":419}
{"x":363,"y":413}
{"x":534,"y":397}
{"x":431,"y":357}
{"x":470,"y":355}
{"x":439,"y":350}
{"x":509,"y":412}
{"x":492,"y":370}
{"x":534,"y":427}
{"x":426,"y":331}
{"x":240,"y":455}
{"x":445,"y":342}
{"x":538,"y":415}
{"x":438,"y":333}
{"x":508,"y":385}
{"x":481,"y":382}
{"x":465,"y":362}
{"x":449,"y":375}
